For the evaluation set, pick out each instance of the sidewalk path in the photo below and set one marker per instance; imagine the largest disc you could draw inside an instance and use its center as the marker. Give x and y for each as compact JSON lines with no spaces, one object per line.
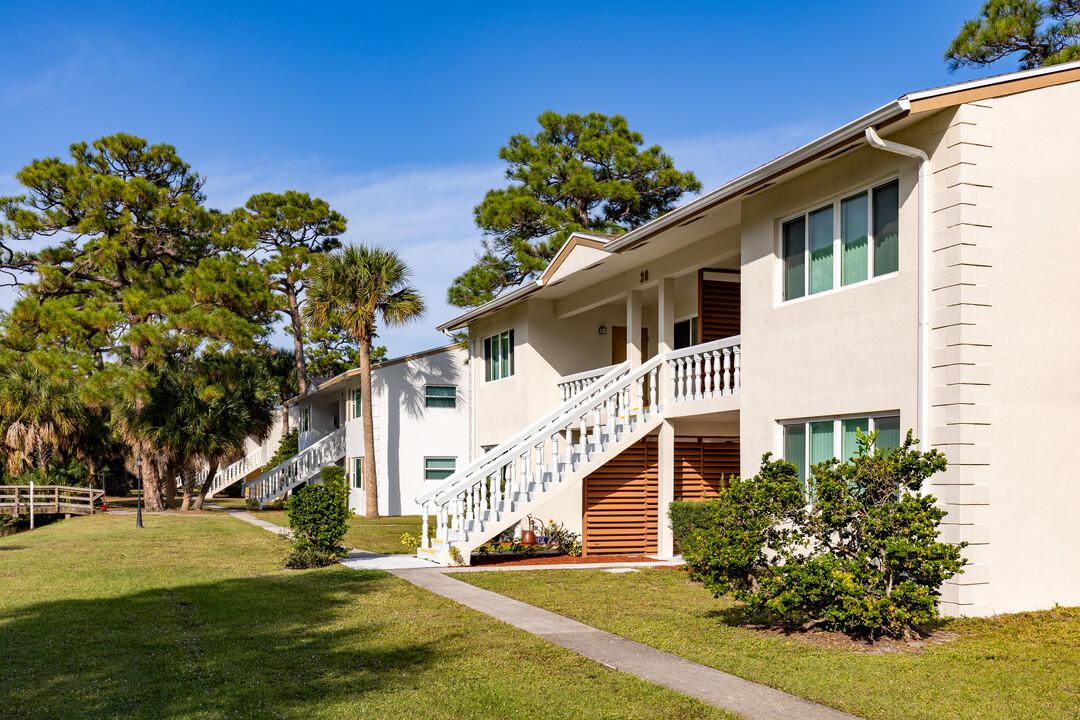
{"x":719,"y":689}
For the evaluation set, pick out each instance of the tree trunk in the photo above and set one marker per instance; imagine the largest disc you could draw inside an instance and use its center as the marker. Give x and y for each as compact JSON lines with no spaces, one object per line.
{"x":168,"y":480}
{"x":151,"y":477}
{"x":298,"y":338}
{"x":284,"y":420}
{"x":371,"y":481}
{"x":206,"y":485}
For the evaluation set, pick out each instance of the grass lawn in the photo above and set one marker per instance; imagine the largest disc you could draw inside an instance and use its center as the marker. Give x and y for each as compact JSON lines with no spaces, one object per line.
{"x":382,"y":535}
{"x":1016,"y":666}
{"x":193,"y":618}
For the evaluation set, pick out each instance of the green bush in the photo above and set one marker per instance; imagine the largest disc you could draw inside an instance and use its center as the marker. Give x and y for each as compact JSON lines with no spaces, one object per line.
{"x":862,"y":558}
{"x":686,"y":517}
{"x":318,"y":514}
{"x":303,"y":556}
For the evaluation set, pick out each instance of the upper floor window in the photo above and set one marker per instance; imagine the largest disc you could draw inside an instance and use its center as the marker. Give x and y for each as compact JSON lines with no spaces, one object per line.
{"x":499,"y":356}
{"x":848,"y":241}
{"x":686,"y":333}
{"x":355,"y":403}
{"x":440,"y":396}
{"x":305,"y":419}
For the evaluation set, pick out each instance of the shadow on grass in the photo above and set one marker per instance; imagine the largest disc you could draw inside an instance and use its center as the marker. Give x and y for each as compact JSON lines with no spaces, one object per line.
{"x":253,"y":647}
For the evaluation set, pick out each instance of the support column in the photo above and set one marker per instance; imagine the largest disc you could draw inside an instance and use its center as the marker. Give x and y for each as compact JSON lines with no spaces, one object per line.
{"x":665,"y":448}
{"x":633,"y":328}
{"x":665,"y":341}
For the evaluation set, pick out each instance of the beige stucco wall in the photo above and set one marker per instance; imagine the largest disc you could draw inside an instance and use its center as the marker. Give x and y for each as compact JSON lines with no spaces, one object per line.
{"x":848,"y":351}
{"x":1034,"y":358}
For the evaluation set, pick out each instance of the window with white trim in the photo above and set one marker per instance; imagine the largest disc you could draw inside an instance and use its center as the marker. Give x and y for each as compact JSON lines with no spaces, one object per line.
{"x":358,"y":473}
{"x":439,"y":468}
{"x":355,"y":402}
{"x":499,"y":356}
{"x":444,"y":396}
{"x":686,"y":333}
{"x":305,"y":419}
{"x":809,"y":442}
{"x":845,"y":242}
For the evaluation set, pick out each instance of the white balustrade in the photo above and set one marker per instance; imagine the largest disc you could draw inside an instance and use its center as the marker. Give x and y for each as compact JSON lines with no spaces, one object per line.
{"x":302,"y":467}
{"x":705,"y":371}
{"x":571,"y":385}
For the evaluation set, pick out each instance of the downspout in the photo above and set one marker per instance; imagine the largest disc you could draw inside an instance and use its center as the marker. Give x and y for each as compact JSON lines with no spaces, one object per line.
{"x":922,"y":426}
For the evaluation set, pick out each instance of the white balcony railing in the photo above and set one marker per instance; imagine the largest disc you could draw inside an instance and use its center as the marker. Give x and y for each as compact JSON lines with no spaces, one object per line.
{"x":705,"y":371}
{"x":571,"y":385}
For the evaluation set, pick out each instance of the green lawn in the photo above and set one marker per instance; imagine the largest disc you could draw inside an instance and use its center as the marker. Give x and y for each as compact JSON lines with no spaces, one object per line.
{"x":192,"y":617}
{"x":382,"y":535}
{"x":1016,"y":666}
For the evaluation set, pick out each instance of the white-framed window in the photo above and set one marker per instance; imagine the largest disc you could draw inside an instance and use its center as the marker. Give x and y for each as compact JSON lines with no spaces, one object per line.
{"x":354,"y":403}
{"x":443,"y":396}
{"x":439,"y":468}
{"x":686,"y":333}
{"x":847,"y":241}
{"x":809,"y":442}
{"x":499,"y":356}
{"x":358,"y":473}
{"x":305,"y":419}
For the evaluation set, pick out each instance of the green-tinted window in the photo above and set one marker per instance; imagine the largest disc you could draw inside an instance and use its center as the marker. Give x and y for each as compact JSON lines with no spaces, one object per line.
{"x":440,"y":396}
{"x":886,"y":228}
{"x":794,"y":259}
{"x":849,"y":440}
{"x":795,"y":448}
{"x":686,"y":333}
{"x":499,"y":356}
{"x":305,"y":419}
{"x":439,"y":468}
{"x":854,"y":249}
{"x":888,"y":432}
{"x":821,"y":249}
{"x":357,"y":403}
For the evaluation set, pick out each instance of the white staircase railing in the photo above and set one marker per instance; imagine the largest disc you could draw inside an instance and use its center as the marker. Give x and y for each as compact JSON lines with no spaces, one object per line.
{"x":571,"y":385}
{"x":236,"y":471}
{"x":480,"y":499}
{"x":494,"y":491}
{"x":299,"y":468}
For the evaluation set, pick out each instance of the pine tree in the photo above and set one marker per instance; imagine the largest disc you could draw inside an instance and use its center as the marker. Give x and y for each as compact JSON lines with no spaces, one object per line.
{"x":1043,"y":33}
{"x":578,"y":173}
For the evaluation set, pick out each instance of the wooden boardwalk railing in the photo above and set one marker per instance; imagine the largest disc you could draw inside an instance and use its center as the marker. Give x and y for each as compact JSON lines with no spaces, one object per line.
{"x":48,"y":500}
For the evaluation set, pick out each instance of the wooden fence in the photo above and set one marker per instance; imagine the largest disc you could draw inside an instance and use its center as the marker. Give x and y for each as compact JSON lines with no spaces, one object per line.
{"x":48,"y":500}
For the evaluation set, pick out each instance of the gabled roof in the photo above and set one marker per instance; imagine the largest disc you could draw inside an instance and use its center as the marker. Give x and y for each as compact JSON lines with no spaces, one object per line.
{"x":850,"y":135}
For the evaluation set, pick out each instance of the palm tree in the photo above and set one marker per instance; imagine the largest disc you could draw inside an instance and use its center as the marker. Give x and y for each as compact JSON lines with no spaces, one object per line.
{"x":352,"y":287}
{"x":42,"y":416}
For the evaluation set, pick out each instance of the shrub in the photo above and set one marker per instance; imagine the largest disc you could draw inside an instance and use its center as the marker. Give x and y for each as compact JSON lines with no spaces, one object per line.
{"x":288,"y":446}
{"x":410,"y":541}
{"x":303,"y":556}
{"x":863,"y":558}
{"x":319,"y":514}
{"x":686,"y":517}
{"x":252,"y":504}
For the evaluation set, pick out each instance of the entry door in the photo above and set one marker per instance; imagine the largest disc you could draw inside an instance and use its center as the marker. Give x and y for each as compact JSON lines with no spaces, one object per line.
{"x":618,"y":344}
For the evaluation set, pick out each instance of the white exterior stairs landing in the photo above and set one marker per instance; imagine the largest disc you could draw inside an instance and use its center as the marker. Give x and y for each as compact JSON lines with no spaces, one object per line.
{"x":235,"y":472}
{"x":603,"y":415}
{"x":302,"y":467}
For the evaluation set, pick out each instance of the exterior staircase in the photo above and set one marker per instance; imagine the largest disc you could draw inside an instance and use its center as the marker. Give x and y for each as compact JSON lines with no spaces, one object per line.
{"x":551,"y":456}
{"x":235,"y":472}
{"x":300,"y":468}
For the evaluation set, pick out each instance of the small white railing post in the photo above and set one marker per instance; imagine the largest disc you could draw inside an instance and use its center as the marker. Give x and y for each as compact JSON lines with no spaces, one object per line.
{"x":424,"y":542}
{"x":708,"y":377}
{"x":737,"y":380}
{"x":727,"y":370}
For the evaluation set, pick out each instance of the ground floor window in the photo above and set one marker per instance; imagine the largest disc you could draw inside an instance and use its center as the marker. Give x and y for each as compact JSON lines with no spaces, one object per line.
{"x":358,"y":473}
{"x":809,"y":442}
{"x":440,"y":396}
{"x":439,"y":468}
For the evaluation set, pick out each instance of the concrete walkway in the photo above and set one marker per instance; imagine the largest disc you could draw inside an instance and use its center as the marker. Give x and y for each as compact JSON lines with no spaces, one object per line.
{"x":719,"y":689}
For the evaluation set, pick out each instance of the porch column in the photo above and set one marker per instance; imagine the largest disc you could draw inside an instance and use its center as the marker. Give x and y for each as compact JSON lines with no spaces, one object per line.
{"x":665,"y":341}
{"x":633,"y":328}
{"x":665,"y":448}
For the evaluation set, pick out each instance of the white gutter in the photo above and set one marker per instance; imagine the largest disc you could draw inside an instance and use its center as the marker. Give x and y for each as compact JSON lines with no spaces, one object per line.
{"x":922,"y":427}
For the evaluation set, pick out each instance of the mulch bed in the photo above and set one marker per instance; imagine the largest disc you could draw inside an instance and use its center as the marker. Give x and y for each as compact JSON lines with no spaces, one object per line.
{"x":496,"y":560}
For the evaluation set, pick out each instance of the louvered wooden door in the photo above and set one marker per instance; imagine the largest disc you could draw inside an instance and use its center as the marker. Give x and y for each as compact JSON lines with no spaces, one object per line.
{"x":621,"y":501}
{"x":719,"y":306}
{"x":703,"y":466}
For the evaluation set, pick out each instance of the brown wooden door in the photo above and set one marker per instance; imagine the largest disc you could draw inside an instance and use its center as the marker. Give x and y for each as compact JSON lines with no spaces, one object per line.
{"x":618,"y":344}
{"x":719,"y":307}
{"x":703,"y":466}
{"x":621,"y":502}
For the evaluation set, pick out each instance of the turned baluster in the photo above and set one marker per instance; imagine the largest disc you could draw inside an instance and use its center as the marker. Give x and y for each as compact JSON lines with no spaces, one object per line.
{"x":708,"y":378}
{"x":424,"y":542}
{"x":727,"y":370}
{"x":737,"y":381}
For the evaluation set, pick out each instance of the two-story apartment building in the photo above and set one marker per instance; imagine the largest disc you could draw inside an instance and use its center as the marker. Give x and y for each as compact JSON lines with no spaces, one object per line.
{"x":911,"y":269}
{"x":421,"y":417}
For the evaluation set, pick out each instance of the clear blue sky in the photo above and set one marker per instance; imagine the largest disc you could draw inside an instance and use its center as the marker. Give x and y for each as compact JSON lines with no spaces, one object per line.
{"x":395,"y":114}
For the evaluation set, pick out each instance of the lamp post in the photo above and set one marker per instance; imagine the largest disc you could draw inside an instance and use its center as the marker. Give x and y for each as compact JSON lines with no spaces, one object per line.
{"x":138,"y":512}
